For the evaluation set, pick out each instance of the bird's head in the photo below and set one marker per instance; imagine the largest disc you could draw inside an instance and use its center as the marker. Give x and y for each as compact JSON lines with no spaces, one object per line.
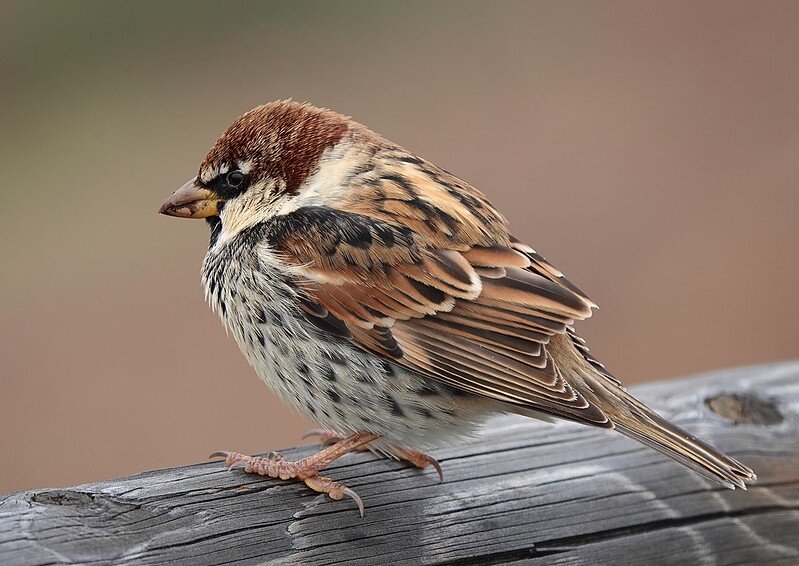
{"x":257,"y":164}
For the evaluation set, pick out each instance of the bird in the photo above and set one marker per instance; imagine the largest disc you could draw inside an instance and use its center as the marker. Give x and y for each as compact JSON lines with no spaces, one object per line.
{"x":387,"y":300}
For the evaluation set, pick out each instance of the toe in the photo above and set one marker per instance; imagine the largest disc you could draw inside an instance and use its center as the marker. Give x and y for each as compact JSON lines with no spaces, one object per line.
{"x":334,"y":490}
{"x":231,"y":458}
{"x":422,"y":460}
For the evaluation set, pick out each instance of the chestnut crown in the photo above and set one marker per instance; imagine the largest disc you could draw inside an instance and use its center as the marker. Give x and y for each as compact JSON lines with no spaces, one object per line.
{"x":280,"y":141}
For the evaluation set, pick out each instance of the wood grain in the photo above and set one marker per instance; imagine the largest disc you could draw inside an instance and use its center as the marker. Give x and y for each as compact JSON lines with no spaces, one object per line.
{"x":522,"y":491}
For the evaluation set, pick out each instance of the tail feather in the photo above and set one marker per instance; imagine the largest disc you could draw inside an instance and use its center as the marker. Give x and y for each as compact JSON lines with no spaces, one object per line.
{"x":642,"y":424}
{"x":634,"y":419}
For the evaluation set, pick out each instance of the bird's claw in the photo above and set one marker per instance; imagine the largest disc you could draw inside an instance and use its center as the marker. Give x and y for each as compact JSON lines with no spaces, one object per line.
{"x":334,"y":490}
{"x":422,"y":460}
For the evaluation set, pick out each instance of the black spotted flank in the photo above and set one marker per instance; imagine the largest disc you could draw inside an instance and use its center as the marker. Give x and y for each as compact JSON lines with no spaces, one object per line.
{"x":426,"y":390}
{"x":213,"y":284}
{"x":334,"y":395}
{"x":365,"y":378}
{"x":336,"y":358}
{"x":305,"y":376}
{"x":388,"y":369}
{"x":394,"y":406}
{"x":327,"y":372}
{"x":424,"y":413}
{"x":265,"y":316}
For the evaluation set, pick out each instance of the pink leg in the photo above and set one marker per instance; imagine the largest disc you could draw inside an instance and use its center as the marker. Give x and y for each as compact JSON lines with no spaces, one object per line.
{"x":275,"y":465}
{"x":414,"y":457}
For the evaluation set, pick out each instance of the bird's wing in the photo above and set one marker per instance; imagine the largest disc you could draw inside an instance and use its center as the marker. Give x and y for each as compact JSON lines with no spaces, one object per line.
{"x":420,"y":269}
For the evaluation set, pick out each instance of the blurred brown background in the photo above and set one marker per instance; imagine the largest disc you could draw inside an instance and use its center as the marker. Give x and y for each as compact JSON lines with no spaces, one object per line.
{"x":650,"y":149}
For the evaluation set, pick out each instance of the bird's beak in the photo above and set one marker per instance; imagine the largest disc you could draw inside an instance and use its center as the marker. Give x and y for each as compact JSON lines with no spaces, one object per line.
{"x":191,"y":201}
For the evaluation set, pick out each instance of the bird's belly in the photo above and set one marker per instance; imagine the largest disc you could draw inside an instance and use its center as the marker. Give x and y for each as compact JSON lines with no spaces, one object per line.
{"x":326,"y":378}
{"x":348,"y":390}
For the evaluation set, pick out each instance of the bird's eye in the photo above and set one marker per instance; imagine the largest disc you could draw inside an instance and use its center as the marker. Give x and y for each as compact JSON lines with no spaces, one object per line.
{"x":235,"y":179}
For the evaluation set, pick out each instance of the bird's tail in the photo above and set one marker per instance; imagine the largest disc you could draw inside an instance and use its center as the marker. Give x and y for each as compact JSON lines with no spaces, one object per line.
{"x":632,"y":418}
{"x":639,"y":422}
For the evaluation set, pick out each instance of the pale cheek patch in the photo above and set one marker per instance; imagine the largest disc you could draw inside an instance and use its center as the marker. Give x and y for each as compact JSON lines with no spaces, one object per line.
{"x":328,"y":185}
{"x":255,"y":206}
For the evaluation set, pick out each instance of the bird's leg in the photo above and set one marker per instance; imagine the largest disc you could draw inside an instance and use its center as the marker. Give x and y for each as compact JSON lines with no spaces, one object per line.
{"x":414,"y":457}
{"x":307,"y":469}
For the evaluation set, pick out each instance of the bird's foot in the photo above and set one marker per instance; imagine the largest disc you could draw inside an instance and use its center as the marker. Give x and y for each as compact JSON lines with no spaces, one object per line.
{"x":421,"y":461}
{"x":418,"y":459}
{"x":307,"y":469}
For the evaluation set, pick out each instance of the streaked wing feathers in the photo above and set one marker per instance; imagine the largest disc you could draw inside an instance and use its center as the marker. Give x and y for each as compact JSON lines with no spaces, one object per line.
{"x":401,"y":280}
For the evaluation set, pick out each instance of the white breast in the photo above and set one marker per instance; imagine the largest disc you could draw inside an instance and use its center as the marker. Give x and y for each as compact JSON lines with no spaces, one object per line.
{"x":329,"y":380}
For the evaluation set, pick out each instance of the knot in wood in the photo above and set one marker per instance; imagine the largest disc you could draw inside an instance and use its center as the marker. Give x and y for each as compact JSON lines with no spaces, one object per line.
{"x":745,"y":408}
{"x":62,"y":497}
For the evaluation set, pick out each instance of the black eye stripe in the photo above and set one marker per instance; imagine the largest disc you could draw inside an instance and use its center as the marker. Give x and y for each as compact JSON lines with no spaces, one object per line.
{"x":230,"y":184}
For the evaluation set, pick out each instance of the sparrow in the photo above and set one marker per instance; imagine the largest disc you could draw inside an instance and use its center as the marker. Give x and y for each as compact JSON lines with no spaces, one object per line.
{"x":387,"y":300}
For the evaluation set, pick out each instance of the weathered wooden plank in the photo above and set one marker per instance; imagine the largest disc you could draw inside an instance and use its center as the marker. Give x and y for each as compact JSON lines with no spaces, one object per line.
{"x":522,"y":491}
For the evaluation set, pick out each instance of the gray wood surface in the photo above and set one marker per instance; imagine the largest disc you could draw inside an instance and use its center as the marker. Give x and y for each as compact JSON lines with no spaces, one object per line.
{"x":524,"y":491}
